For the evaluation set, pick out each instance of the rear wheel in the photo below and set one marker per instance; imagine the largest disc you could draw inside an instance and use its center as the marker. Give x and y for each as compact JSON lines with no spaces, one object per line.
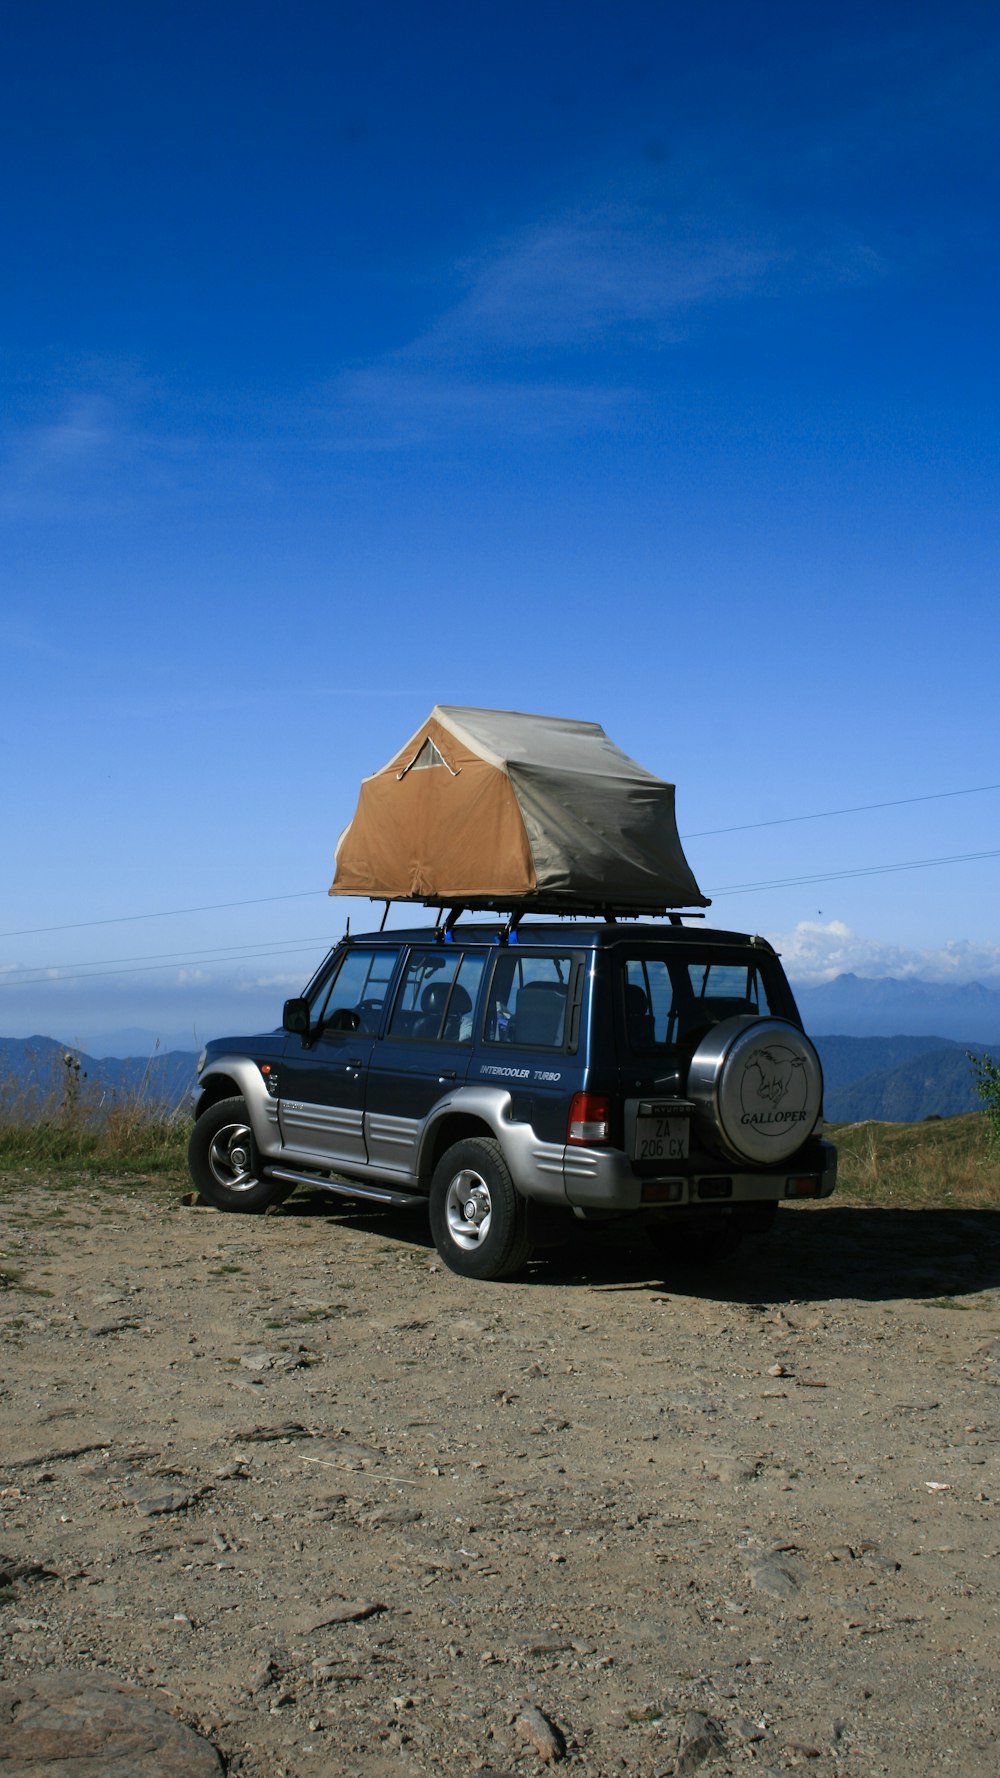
{"x":224,"y":1162}
{"x":478,"y":1220}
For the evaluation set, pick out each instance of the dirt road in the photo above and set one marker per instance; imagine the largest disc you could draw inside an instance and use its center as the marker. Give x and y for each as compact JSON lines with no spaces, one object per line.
{"x":348,"y":1514}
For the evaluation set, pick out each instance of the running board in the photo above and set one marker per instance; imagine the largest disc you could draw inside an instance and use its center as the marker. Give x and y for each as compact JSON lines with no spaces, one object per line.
{"x":378,"y":1194}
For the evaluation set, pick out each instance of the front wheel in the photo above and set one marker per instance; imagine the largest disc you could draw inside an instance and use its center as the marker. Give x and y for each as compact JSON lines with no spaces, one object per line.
{"x":478,"y":1220}
{"x":224,"y":1163}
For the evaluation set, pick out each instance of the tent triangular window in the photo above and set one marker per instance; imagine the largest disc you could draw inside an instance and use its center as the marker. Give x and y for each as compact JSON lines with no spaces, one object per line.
{"x":427,"y":755}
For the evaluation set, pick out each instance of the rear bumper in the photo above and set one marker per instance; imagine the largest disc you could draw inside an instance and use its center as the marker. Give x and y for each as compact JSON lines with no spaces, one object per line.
{"x":605,"y":1179}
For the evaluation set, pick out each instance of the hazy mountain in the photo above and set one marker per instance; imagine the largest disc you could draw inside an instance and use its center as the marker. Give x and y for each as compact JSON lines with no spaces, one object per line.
{"x":33,"y":1068}
{"x":899,"y":1077}
{"x":894,"y":1007}
{"x":132,"y":1040}
{"x":902,"y":1079}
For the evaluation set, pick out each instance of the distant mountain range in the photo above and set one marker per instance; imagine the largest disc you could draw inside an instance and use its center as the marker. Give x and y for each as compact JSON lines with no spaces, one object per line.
{"x":891,"y":1049}
{"x":893,"y":1007}
{"x":898,"y":1079}
{"x":34,"y":1069}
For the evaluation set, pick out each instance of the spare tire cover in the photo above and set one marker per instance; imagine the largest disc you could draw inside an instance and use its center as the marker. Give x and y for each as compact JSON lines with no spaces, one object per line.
{"x":757,"y":1088}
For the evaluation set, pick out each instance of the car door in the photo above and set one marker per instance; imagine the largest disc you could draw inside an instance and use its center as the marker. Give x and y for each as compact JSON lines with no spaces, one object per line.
{"x":323,"y":1073}
{"x":424,"y":1054}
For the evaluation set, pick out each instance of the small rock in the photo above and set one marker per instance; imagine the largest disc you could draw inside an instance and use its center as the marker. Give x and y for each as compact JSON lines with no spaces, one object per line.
{"x":777,"y":1577}
{"x":258,"y":1361}
{"x":261,"y":1676}
{"x":533,"y":1726}
{"x":341,"y":1611}
{"x":67,"y":1723}
{"x":748,"y":1730}
{"x":391,"y":1515}
{"x":168,"y":1500}
{"x":701,"y":1739}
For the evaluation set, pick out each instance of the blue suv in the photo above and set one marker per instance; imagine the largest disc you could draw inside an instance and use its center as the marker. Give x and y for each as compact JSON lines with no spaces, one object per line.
{"x":513,"y":1077}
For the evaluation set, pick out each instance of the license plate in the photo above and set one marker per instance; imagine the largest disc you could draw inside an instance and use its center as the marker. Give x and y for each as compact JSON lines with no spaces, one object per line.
{"x":661,"y":1138}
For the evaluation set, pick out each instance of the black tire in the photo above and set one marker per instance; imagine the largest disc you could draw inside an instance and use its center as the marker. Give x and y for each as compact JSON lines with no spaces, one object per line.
{"x":478,"y":1220}
{"x":224,"y":1164}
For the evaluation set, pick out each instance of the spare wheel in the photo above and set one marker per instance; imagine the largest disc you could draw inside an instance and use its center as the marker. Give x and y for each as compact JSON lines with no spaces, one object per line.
{"x":757,"y":1088}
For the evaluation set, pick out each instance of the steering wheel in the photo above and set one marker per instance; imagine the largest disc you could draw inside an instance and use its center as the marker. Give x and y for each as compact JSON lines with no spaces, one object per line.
{"x":344,"y":1019}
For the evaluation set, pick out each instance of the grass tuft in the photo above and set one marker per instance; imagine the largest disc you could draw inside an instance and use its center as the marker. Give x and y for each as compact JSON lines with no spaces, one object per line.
{"x":939,"y":1163}
{"x":69,"y":1125}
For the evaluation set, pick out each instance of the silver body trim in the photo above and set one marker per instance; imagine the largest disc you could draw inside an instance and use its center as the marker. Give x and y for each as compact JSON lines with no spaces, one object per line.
{"x":347,"y":1188}
{"x":548,"y":1172}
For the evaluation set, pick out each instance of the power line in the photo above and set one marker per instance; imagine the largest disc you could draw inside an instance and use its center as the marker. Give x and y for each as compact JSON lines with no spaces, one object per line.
{"x":213,"y":907}
{"x":898,"y":802}
{"x":869,"y":870}
{"x":215,"y":954}
{"x":295,"y":947}
{"x":210,"y":907}
{"x":91,"y":975}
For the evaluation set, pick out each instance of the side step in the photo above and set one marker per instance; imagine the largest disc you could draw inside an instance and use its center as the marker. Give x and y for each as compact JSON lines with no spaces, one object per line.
{"x":346,"y":1188}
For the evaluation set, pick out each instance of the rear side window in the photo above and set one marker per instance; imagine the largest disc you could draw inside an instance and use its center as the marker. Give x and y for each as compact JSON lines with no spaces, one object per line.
{"x":437,"y":996}
{"x":667,"y":1001}
{"x":530,"y":1001}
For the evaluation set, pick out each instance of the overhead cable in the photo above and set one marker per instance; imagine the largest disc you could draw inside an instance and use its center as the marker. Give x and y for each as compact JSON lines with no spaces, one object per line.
{"x":213,"y":907}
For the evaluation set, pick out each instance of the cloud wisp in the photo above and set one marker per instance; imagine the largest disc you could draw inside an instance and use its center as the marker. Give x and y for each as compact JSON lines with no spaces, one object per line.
{"x":814,"y":952}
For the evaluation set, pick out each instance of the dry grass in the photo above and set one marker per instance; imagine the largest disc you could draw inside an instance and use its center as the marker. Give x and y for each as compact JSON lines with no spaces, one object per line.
{"x":72,"y":1126}
{"x":942,"y":1162}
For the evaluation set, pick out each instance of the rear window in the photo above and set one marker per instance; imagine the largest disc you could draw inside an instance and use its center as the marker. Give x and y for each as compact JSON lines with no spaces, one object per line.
{"x":666,"y":1001}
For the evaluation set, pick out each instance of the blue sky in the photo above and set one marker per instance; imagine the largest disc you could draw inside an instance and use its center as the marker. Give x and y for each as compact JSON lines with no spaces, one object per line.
{"x":635,"y":362}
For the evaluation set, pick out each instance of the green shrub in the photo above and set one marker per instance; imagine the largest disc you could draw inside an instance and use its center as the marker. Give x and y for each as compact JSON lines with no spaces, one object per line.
{"x":986,"y":1078}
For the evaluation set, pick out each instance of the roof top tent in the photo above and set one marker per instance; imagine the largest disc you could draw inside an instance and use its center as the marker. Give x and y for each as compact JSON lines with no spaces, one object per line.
{"x":499,"y":810}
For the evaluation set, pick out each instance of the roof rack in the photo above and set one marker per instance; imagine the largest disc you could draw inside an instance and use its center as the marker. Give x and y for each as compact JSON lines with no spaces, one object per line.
{"x":449,"y":914}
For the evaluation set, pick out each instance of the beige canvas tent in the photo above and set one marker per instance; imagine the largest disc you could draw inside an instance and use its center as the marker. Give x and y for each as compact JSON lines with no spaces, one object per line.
{"x":494,"y":809}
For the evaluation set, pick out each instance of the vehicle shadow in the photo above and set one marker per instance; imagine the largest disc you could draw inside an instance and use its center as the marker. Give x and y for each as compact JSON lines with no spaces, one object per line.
{"x":812,"y":1254}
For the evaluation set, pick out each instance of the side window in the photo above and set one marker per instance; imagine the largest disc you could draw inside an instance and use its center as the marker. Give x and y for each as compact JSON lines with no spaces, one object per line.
{"x":437,"y":996}
{"x":529,"y":1000}
{"x":357,"y":992}
{"x":649,"y":1003}
{"x":459,"y":1018}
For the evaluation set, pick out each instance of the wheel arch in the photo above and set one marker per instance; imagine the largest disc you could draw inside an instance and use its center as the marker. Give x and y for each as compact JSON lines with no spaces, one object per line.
{"x":237,"y":1077}
{"x":216,"y":1087}
{"x":455,"y":1126}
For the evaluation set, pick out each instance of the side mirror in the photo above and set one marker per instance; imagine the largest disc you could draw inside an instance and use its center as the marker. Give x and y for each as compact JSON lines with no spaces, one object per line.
{"x":295,"y":1017}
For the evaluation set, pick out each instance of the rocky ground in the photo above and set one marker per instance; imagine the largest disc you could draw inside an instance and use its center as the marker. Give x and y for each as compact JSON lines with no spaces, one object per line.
{"x":345,"y":1513}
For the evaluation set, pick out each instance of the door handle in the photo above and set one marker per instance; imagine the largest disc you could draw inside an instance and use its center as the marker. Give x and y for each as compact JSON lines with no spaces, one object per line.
{"x":448,"y":1074}
{"x":353,"y":1062}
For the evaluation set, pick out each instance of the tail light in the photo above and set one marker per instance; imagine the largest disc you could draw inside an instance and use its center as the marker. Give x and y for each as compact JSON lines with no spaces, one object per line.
{"x":589,"y":1118}
{"x":805,"y":1185}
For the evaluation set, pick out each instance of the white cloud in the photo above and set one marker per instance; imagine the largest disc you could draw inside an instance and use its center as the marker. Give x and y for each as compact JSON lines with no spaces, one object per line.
{"x":392,"y":405}
{"x":587,"y":274}
{"x":814,"y":953}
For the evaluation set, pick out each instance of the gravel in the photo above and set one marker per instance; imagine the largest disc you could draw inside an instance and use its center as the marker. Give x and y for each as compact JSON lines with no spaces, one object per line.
{"x":340,"y":1512}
